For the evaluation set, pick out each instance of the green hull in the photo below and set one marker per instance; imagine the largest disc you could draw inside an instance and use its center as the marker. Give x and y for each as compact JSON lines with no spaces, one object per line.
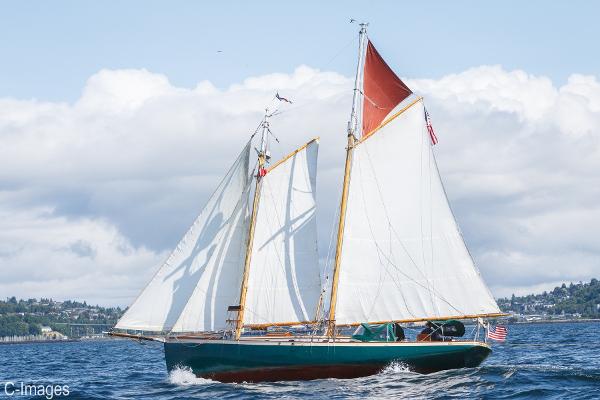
{"x":262,"y":360}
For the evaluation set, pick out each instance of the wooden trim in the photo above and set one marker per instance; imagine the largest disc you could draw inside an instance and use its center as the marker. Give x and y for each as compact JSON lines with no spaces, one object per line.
{"x":473,"y":316}
{"x":293,"y":153}
{"x":340,"y":235}
{"x":390,"y":119}
{"x":265,"y":326}
{"x":249,"y":243}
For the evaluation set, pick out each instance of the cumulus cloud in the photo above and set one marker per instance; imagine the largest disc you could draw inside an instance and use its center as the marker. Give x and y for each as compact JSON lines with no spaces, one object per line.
{"x":94,"y":194}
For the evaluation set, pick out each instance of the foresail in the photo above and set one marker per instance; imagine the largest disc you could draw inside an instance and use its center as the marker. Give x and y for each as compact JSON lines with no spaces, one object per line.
{"x":403,"y":256}
{"x":283,"y":283}
{"x":193,"y":288}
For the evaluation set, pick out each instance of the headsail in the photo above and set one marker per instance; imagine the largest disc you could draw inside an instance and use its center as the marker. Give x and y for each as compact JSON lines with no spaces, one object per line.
{"x":283,"y":284}
{"x":193,"y":288}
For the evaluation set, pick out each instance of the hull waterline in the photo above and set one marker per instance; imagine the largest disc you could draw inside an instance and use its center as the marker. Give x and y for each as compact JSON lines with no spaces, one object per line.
{"x":257,"y":360}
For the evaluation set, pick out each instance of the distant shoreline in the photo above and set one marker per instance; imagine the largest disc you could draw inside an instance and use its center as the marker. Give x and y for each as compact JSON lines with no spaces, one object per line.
{"x":41,"y":341}
{"x":557,"y":321}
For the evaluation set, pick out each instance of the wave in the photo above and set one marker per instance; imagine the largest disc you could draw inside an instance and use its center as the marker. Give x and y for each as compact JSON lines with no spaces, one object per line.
{"x":396,"y":367}
{"x":183,"y":376}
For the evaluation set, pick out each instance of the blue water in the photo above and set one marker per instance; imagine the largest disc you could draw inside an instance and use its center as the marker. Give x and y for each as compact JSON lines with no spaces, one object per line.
{"x":538,"y":361}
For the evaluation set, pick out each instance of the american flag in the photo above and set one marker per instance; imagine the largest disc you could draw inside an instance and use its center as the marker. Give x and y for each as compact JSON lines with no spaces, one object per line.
{"x":498,"y":333}
{"x":434,"y":138}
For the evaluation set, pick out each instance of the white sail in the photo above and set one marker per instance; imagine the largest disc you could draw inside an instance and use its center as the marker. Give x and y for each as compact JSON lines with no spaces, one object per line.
{"x":283,"y":280}
{"x":403,"y":256}
{"x":201,"y":278}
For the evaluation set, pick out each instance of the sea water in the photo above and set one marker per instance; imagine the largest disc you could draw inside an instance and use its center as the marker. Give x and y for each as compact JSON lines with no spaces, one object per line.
{"x":560,"y":360}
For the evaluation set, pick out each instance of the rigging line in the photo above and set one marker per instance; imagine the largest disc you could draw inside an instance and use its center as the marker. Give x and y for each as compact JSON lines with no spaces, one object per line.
{"x":379,"y":252}
{"x":390,"y":225}
{"x":326,"y":65}
{"x":430,"y":156}
{"x":401,"y":243}
{"x":188,"y":233}
{"x":460,"y":231}
{"x":280,"y":219}
{"x":430,"y":284}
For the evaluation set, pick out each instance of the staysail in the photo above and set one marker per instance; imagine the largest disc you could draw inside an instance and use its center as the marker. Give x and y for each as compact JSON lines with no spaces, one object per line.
{"x":193,"y":288}
{"x":400,"y":254}
{"x":283,"y":282}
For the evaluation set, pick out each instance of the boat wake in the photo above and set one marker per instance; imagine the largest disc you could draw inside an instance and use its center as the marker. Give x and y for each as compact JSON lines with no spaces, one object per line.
{"x":183,"y":376}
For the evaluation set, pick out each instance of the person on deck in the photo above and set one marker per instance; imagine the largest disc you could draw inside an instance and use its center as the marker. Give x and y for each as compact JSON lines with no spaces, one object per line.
{"x":431,"y":332}
{"x":399,"y":332}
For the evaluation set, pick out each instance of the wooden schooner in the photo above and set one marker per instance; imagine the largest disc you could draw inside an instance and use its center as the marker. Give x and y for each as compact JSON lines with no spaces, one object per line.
{"x":240,"y":298}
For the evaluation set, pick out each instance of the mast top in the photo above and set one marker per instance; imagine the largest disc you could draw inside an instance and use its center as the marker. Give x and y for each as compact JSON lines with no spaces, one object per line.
{"x":353,"y":123}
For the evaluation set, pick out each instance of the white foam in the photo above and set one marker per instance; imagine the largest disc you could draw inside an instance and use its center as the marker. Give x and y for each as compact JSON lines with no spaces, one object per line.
{"x":185,"y":377}
{"x":396,"y":367}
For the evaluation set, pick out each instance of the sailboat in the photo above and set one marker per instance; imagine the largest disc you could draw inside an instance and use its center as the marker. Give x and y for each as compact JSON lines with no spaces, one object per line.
{"x":241,"y":298}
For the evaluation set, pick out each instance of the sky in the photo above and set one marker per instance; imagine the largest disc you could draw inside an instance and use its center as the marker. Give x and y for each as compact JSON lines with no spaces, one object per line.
{"x":117,"y":120}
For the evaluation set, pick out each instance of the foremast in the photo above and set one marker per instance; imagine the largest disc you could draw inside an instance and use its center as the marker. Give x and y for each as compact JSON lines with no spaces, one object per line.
{"x":262,"y":160}
{"x":353,"y":126}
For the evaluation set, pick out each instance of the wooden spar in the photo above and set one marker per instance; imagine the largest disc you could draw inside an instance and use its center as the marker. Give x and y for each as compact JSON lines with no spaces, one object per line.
{"x":250,"y":242}
{"x":244,"y":289}
{"x":136,"y":337}
{"x":404,"y":321}
{"x":292,"y":154}
{"x":353,"y":125}
{"x":390,"y":119}
{"x":262,"y":157}
{"x":444,"y":318}
{"x":276,"y":324}
{"x":340,"y":236}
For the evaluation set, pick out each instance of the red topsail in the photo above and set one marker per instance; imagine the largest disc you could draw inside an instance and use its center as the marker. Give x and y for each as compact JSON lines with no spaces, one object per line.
{"x":382,"y":90}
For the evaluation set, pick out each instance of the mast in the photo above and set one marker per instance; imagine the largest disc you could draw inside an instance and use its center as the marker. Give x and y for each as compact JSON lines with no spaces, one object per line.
{"x":353,"y":126}
{"x":262,"y":159}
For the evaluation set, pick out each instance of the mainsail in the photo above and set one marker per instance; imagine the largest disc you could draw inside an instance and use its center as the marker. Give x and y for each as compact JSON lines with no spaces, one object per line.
{"x":283,"y":284}
{"x":400,"y":254}
{"x":403,"y":256}
{"x":193,"y":288}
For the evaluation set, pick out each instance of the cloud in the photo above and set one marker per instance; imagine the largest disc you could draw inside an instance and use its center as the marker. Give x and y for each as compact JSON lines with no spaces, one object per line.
{"x":94,"y":194}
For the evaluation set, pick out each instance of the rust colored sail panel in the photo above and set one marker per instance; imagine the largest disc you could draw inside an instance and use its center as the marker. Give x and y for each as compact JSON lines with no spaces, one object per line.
{"x":382,"y":89}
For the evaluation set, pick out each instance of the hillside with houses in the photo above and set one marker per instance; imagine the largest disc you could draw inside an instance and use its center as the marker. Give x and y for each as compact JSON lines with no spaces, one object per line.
{"x":35,"y":317}
{"x":572,"y":301}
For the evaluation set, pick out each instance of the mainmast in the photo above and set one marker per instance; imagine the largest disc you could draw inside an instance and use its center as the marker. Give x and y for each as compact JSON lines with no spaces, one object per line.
{"x":263,"y":156}
{"x":353,"y":127}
